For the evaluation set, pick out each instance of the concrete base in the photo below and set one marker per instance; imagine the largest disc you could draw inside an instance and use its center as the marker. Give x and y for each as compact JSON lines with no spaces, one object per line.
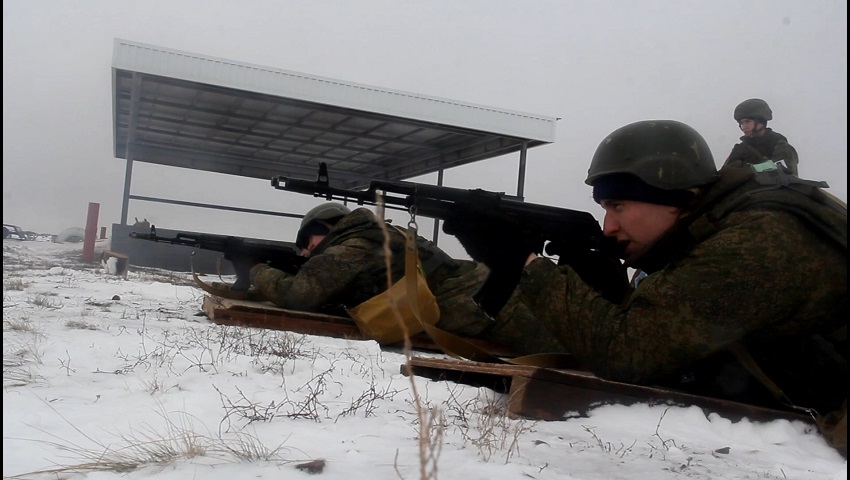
{"x":115,"y":263}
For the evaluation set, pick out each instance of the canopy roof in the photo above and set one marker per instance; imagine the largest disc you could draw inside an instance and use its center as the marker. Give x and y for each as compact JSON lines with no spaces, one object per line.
{"x":188,"y":110}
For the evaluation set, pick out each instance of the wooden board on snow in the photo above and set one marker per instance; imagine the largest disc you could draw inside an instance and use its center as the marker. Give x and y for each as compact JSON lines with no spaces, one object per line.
{"x":549,"y":394}
{"x":244,"y":313}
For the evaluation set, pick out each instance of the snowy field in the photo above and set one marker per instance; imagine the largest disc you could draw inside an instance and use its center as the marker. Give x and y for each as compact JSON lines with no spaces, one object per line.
{"x":107,"y":378}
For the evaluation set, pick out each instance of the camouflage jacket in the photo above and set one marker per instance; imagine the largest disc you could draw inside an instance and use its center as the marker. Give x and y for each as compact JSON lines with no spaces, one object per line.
{"x":349,"y":267}
{"x":754,"y":265}
{"x":771,"y":146}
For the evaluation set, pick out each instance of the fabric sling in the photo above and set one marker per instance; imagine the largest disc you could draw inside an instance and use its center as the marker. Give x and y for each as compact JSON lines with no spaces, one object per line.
{"x":403,"y":309}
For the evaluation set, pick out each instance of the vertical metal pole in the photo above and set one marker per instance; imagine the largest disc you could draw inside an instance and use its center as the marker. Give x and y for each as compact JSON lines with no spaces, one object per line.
{"x":437,"y":220}
{"x":128,"y":175}
{"x":135,"y":94}
{"x":91,"y":232}
{"x":520,"y":188}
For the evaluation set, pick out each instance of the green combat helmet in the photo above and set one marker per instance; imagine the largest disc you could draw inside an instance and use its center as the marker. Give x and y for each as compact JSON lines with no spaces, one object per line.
{"x":323,"y":215}
{"x":665,"y":154}
{"x":753,"y":108}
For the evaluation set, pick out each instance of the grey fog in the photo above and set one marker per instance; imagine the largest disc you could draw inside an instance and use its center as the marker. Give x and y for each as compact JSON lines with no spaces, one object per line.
{"x":594,"y":65}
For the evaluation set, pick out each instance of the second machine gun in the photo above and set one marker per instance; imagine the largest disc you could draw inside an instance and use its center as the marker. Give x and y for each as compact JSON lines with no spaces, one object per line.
{"x":281,"y":257}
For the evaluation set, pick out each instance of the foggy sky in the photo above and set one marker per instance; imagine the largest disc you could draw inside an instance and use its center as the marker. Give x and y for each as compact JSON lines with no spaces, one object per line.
{"x":596,"y":65}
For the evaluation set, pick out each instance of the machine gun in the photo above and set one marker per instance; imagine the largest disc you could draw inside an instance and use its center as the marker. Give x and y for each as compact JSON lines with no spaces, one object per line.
{"x":281,"y":257}
{"x":567,"y":234}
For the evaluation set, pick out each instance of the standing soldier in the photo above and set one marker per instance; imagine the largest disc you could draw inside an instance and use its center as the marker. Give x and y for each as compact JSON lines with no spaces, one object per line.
{"x":759,"y":142}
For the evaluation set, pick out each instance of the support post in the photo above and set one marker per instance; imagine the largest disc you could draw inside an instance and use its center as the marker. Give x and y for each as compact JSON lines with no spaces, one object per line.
{"x":520,"y":187}
{"x":91,"y":232}
{"x":437,"y":220}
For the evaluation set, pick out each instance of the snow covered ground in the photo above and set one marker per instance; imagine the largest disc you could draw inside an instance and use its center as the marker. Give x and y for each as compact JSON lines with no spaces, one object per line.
{"x":106,"y":377}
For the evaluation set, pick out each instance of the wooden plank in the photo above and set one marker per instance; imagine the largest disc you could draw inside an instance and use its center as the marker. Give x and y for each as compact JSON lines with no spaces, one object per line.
{"x":548,"y":394}
{"x":243,"y":313}
{"x":237,"y":313}
{"x":259,"y":315}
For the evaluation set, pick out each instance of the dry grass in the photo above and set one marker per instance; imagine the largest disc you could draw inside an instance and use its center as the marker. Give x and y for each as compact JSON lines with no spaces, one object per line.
{"x":22,"y":353}
{"x":81,"y":325}
{"x":14,"y":284}
{"x":45,"y":301}
{"x":20,"y":361}
{"x":178,"y":439}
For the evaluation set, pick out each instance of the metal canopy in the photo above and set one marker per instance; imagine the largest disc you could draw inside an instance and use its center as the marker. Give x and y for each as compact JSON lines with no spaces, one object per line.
{"x":187,"y":110}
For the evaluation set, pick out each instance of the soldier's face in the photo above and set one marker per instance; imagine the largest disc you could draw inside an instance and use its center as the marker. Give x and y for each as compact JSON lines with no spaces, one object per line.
{"x":313,"y":241}
{"x":637,"y":225}
{"x":751,"y":127}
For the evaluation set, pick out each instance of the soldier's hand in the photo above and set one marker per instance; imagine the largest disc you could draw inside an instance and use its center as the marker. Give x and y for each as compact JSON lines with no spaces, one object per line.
{"x":496,"y":242}
{"x":603,"y":272}
{"x":242,"y":263}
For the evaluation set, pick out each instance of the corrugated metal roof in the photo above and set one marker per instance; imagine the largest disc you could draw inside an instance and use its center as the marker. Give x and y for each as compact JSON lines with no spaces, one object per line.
{"x":190,"y":110}
{"x":143,"y":58}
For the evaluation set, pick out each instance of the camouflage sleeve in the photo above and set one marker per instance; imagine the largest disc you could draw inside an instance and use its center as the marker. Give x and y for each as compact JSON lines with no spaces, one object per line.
{"x":758,"y":268}
{"x":784,"y":151}
{"x":324,"y":279}
{"x":742,"y":155}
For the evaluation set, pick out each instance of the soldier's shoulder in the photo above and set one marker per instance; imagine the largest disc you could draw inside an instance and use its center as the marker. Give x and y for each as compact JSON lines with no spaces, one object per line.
{"x":775,"y":136}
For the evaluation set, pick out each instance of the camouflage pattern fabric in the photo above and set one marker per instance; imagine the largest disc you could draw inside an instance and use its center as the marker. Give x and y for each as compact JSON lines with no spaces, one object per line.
{"x":760,"y":275}
{"x":349,"y":267}
{"x":772,"y":146}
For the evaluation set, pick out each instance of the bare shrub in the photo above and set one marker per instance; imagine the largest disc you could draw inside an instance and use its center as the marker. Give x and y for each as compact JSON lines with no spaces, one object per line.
{"x":366,"y":401}
{"x":44,"y":301}
{"x":485,"y":423}
{"x":311,"y":407}
{"x":154,"y":385}
{"x":244,"y":409}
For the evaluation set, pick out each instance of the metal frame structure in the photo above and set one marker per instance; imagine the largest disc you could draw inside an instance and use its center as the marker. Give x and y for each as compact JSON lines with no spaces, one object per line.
{"x":188,"y":110}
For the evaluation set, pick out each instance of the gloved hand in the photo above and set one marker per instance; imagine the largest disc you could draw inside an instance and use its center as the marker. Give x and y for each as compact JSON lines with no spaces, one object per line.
{"x":241,"y":261}
{"x":499,"y":243}
{"x":603,"y":272}
{"x":742,"y":155}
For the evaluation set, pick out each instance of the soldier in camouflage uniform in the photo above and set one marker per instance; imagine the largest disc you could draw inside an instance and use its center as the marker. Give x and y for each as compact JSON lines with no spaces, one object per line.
{"x":759,"y":142}
{"x":346,"y":266}
{"x":740,"y":265}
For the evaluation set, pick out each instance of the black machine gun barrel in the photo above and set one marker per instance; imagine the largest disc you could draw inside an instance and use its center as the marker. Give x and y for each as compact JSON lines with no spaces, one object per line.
{"x":562,"y":229}
{"x":280,"y":256}
{"x":573,"y":236}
